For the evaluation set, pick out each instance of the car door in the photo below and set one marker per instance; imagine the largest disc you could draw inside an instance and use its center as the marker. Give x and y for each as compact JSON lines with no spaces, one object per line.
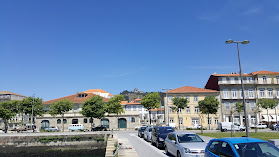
{"x":225,"y":150}
{"x":212,"y":149}
{"x":173,"y":146}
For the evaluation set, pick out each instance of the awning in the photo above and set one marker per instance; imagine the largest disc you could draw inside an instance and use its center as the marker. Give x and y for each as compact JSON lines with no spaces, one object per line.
{"x":272,"y":118}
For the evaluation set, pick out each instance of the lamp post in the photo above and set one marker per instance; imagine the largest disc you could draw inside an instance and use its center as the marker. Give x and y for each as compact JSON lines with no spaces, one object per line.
{"x":32,"y":114}
{"x":243,"y":95}
{"x":166,"y":106}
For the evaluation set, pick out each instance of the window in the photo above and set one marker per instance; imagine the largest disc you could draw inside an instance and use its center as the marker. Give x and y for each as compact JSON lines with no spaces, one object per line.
{"x":188,"y":110}
{"x":74,"y":121}
{"x":180,"y":120}
{"x":277,"y":78}
{"x":197,"y":110}
{"x":195,"y":121}
{"x":240,"y":92}
{"x":250,"y":93}
{"x":178,"y":96}
{"x":134,"y":108}
{"x":58,"y":121}
{"x":140,"y":108}
{"x":170,"y":98}
{"x":270,"y":93}
{"x":214,"y":147}
{"x":133,"y":119}
{"x":224,"y":79}
{"x":75,"y":108}
{"x":227,"y":105}
{"x":277,"y":92}
{"x":91,"y":120}
{"x":65,"y":121}
{"x":236,"y":119}
{"x":226,"y":94}
{"x":129,"y":108}
{"x":171,"y":120}
{"x":249,"y":79}
{"x":226,"y":150}
{"x":253,"y":119}
{"x":232,"y":80}
{"x":179,"y":110}
{"x":47,"y":108}
{"x":216,"y":120}
{"x":234,"y":93}
{"x":188,"y":98}
{"x":195,"y":98}
{"x":252,"y":105}
{"x":85,"y":120}
{"x":208,"y":120}
{"x":264,"y":79}
{"x":262,"y":95}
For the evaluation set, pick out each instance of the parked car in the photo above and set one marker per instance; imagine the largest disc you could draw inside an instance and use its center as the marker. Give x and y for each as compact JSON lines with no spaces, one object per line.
{"x":73,"y":127}
{"x":52,"y":128}
{"x":141,"y":130}
{"x":227,"y":126}
{"x":274,"y":126}
{"x":159,"y":135}
{"x":195,"y":126}
{"x":100,"y":128}
{"x":260,"y":126}
{"x":147,"y":133}
{"x":240,"y":147}
{"x":184,"y":144}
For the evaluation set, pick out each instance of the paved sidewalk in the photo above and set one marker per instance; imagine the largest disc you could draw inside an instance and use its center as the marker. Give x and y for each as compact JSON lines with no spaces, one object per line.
{"x":126,"y":149}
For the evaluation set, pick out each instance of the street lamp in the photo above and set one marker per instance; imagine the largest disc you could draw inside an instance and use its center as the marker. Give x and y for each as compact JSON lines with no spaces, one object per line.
{"x":166,"y":106}
{"x":32,"y":114}
{"x":243,"y":95}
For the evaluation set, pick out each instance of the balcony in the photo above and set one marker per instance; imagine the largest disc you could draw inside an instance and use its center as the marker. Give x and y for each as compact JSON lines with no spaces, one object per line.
{"x":237,"y":82}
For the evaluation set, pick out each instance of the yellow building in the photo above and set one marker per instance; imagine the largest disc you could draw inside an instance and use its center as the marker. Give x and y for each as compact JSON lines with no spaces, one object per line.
{"x":190,"y":116}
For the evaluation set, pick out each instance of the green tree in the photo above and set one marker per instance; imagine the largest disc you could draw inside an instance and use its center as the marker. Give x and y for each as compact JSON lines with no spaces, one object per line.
{"x":60,"y":108}
{"x":37,"y":103}
{"x":7,"y":111}
{"x":93,"y":108}
{"x":267,"y":104}
{"x":257,"y":110}
{"x":239,"y":107}
{"x":179,"y":104}
{"x":151,"y":101}
{"x":209,"y":105}
{"x":114,"y":105}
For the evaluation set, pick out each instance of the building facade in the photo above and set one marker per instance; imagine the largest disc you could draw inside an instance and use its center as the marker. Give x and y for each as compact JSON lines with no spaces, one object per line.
{"x":257,"y":85}
{"x":190,"y":116}
{"x":123,"y":121}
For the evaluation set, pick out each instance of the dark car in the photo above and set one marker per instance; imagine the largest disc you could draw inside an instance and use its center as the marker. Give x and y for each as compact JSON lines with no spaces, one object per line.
{"x":141,"y":131}
{"x":159,"y":135}
{"x":100,"y":128}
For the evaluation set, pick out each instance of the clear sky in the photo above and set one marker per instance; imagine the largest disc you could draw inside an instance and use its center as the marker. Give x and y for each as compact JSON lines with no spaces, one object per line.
{"x":55,"y":48}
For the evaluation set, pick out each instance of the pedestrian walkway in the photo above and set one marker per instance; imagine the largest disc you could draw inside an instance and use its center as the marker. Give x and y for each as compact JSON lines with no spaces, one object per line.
{"x":126,"y":149}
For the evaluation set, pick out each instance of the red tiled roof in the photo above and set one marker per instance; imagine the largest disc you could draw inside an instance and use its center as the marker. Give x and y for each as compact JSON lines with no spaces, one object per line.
{"x":74,"y":98}
{"x":188,"y":89}
{"x":123,"y":102}
{"x":265,"y":73}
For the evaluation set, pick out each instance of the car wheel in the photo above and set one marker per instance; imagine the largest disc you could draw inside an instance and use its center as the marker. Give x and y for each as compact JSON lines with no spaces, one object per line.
{"x":225,"y":130}
{"x":178,"y":154}
{"x":166,"y":150}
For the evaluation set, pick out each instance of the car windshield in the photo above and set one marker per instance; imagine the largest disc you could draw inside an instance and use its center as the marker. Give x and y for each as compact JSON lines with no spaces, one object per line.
{"x":256,"y":149}
{"x":165,"y":130}
{"x":184,"y":138}
{"x":142,"y":128}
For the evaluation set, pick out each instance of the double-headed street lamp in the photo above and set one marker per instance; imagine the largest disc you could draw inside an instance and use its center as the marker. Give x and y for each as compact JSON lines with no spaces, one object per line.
{"x":243,"y":95}
{"x":166,"y":106}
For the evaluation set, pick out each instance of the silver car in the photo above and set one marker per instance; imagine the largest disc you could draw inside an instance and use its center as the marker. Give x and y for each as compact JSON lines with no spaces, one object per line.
{"x":184,"y":144}
{"x":147,"y":133}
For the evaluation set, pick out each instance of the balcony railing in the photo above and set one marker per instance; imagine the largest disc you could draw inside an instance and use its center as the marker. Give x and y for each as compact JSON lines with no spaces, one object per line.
{"x":237,"y":82}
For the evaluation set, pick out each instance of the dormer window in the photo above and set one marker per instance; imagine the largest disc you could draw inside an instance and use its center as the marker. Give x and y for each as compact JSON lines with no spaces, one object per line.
{"x":82,"y":95}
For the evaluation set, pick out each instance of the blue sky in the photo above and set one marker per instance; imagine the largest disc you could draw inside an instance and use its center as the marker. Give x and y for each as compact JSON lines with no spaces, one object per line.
{"x":55,"y":48}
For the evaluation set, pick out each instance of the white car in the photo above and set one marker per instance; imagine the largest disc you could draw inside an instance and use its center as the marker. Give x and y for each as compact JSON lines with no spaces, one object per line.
{"x":147,"y":133}
{"x":260,"y":126}
{"x":184,"y":144}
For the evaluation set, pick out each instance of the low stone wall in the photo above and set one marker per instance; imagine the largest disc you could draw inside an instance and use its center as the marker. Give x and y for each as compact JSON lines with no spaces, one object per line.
{"x":62,"y":145}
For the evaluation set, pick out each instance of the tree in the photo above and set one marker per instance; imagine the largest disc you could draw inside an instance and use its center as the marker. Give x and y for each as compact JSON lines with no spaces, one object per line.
{"x":93,"y":108}
{"x":151,"y":101}
{"x":257,"y":110}
{"x":60,"y":108}
{"x":38,"y":107}
{"x":208,"y":106}
{"x":7,"y":111}
{"x":239,"y":107}
{"x":179,"y":104}
{"x":266,"y":104}
{"x":114,"y":105}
